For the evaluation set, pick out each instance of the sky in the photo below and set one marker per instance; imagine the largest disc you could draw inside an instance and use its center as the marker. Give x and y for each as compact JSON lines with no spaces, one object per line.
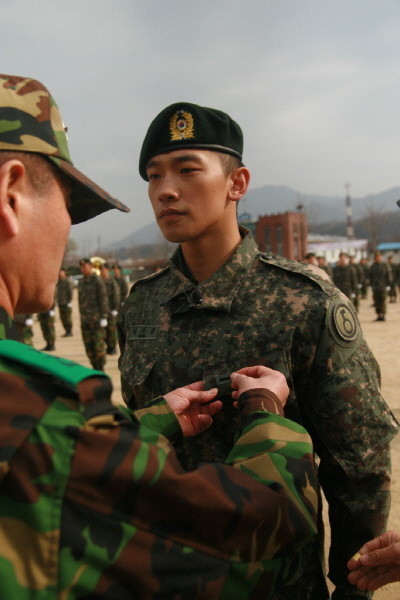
{"x":314,"y":84}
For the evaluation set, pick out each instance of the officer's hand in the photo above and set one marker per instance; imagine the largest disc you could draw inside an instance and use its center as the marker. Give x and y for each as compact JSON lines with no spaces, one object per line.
{"x":52,"y":313}
{"x":28,"y":322}
{"x":190,"y":406}
{"x":103,"y":322}
{"x":378,"y":562}
{"x":260,"y":377}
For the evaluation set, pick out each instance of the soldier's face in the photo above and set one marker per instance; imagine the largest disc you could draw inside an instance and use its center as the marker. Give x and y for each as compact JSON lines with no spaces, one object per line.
{"x":189,"y":191}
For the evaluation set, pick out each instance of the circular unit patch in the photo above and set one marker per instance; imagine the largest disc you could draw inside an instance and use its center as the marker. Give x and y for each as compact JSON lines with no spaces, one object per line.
{"x":344,"y":322}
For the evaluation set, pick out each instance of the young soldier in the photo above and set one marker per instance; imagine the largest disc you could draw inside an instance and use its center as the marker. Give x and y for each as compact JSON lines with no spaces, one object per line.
{"x":220,"y":304}
{"x":93,"y":501}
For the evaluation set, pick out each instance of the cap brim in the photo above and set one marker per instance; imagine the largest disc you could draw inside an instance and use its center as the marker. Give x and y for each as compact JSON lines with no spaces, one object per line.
{"x":87,"y":198}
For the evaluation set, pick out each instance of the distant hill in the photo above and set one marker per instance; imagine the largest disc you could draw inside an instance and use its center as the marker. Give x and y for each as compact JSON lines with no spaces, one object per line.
{"x":326,"y":214}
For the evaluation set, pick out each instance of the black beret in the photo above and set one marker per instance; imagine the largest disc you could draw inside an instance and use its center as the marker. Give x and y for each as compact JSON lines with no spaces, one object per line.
{"x":186,"y":125}
{"x":84,"y":261}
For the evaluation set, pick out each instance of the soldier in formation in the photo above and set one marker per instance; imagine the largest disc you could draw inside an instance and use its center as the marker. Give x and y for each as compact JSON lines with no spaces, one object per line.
{"x":64,"y":295}
{"x":114,"y":303}
{"x":221,"y":303}
{"x":344,"y":277}
{"x":94,"y":309}
{"x":380,"y":278}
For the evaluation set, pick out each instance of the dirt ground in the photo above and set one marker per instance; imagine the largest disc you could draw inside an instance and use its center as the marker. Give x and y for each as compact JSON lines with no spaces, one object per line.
{"x":383,"y":338}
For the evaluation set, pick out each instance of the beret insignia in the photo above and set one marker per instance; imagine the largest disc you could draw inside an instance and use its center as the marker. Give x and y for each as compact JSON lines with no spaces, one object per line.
{"x":181,"y":126}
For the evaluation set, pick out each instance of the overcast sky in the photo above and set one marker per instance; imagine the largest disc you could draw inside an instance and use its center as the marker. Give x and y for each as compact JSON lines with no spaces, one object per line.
{"x":314,"y":84}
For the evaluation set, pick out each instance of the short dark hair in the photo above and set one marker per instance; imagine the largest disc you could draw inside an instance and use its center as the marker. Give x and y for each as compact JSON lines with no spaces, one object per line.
{"x":229,"y":163}
{"x":40,"y":171}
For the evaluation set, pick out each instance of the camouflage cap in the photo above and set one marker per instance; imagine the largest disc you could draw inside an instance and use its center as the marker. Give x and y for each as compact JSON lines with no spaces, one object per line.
{"x":186,"y":125}
{"x":30,"y":121}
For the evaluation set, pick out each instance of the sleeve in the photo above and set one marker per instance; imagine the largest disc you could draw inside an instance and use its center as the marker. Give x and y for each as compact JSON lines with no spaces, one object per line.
{"x":351,"y":427}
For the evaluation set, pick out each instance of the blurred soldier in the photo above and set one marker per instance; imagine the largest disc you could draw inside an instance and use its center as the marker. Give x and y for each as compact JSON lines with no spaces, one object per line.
{"x":380,"y":278}
{"x":94,"y":503}
{"x":325,"y":267}
{"x":310,"y":259}
{"x":122,"y":284}
{"x":359,"y":277}
{"x":365,"y":280}
{"x":93,"y":308}
{"x":24,"y":327}
{"x":394,"y":268}
{"x":114,"y":303}
{"x":47,"y":325}
{"x":64,"y":292}
{"x":220,"y":302}
{"x":344,"y":277}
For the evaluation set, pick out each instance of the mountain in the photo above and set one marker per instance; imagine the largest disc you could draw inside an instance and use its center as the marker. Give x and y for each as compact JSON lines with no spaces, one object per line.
{"x":326,"y":214}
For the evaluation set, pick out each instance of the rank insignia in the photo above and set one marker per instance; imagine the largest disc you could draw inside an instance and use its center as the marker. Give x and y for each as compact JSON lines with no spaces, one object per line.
{"x":181,"y":126}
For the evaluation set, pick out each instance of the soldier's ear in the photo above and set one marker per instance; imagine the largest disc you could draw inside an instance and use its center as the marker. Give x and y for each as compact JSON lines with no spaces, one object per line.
{"x":240,"y":179}
{"x":13,"y":188}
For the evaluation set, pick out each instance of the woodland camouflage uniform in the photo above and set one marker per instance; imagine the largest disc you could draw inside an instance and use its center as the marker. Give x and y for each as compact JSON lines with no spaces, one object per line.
{"x":94,"y":503}
{"x":264,"y":309}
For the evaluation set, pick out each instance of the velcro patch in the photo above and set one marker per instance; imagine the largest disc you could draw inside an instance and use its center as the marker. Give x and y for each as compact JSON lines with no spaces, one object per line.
{"x":143,"y":332}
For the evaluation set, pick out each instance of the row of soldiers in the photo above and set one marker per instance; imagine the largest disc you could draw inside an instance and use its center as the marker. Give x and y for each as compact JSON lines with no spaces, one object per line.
{"x":354,"y":278}
{"x":100,"y":293}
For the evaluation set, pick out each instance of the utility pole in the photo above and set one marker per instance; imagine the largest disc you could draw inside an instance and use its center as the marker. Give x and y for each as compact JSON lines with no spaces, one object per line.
{"x":349,"y":214}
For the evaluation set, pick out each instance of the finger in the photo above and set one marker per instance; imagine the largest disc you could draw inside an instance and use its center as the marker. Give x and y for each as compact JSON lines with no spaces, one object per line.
{"x":379,"y":557}
{"x":211,"y":409}
{"x":197,"y":385}
{"x":256,"y":371}
{"x":203,"y":422}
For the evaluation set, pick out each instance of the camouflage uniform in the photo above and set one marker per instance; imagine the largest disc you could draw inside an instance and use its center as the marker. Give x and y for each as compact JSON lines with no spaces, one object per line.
{"x":94,"y":504}
{"x":64,"y":291}
{"x":264,"y":309}
{"x":344,"y":277}
{"x":114,"y":303}
{"x":93,"y":306}
{"x":380,"y":278}
{"x":47,"y":321}
{"x":23,"y":326}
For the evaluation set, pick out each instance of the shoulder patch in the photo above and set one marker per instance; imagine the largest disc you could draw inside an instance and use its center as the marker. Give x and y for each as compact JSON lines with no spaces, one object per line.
{"x":343,"y":323}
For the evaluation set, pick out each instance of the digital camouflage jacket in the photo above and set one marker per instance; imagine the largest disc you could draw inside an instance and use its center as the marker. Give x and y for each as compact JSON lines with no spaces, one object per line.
{"x":93,"y":299}
{"x":95,"y":505}
{"x":263,"y":309}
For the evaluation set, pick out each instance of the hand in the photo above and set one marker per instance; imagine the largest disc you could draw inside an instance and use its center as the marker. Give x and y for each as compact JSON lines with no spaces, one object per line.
{"x":188,"y":404}
{"x":103,"y":322}
{"x":69,"y":304}
{"x":114,"y":313}
{"x":52,"y":313}
{"x":28,"y":322}
{"x":378,"y":563}
{"x":260,"y":377}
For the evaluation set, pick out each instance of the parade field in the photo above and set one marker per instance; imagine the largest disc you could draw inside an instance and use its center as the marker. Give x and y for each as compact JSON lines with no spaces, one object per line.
{"x":384,"y":340}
